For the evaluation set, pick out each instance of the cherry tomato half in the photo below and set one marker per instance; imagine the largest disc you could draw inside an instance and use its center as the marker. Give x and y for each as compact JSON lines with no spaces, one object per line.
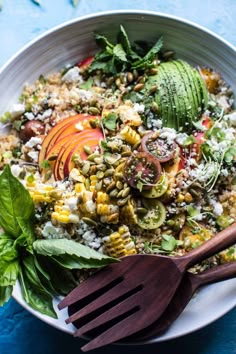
{"x":160,"y":148}
{"x":142,"y":170}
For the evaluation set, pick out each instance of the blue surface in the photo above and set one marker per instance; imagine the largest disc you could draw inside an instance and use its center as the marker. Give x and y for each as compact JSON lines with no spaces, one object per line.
{"x":20,"y":22}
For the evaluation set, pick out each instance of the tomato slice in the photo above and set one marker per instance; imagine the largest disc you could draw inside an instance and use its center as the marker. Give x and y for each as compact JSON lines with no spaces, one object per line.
{"x":159,"y":189}
{"x":158,"y":147}
{"x":84,"y":64}
{"x":155,"y":216}
{"x":142,"y":170}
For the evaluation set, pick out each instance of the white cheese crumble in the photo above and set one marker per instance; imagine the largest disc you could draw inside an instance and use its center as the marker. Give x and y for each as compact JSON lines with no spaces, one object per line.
{"x":33,"y":155}
{"x":217,"y":207}
{"x":17,"y":110}
{"x":139,"y":107}
{"x":72,"y":75}
{"x":169,"y":134}
{"x":72,"y":203}
{"x":50,"y":231}
{"x":16,"y":170}
{"x":34,"y":141}
{"x":29,"y":115}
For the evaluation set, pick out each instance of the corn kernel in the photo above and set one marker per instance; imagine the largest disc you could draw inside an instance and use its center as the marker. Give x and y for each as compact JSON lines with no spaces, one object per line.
{"x":188,"y":198}
{"x":180,"y":198}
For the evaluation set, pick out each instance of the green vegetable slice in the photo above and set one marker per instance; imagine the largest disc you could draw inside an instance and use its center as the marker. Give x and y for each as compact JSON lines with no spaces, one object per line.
{"x":155,"y":216}
{"x":158,"y":190}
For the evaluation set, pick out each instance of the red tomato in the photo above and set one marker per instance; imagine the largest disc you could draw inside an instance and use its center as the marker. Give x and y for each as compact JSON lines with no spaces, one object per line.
{"x":84,"y":64}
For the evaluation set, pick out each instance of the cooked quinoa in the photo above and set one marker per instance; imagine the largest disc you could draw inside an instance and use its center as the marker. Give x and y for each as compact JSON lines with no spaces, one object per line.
{"x":105,"y":201}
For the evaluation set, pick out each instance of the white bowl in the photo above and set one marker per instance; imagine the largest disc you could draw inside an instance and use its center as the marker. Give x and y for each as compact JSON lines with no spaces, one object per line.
{"x":73,"y":41}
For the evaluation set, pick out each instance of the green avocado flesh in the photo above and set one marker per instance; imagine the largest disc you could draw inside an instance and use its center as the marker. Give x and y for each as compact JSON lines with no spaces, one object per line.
{"x":181,"y":95}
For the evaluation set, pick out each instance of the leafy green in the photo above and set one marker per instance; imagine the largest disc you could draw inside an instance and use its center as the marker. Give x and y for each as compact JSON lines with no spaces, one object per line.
{"x":230,"y":155}
{"x":86,"y":85}
{"x":38,"y":300}
{"x":110,"y":120}
{"x":168,"y":243}
{"x":5,"y":294}
{"x":15,"y":201}
{"x":65,"y":247}
{"x":119,"y":57}
{"x":8,"y":252}
{"x":9,"y":272}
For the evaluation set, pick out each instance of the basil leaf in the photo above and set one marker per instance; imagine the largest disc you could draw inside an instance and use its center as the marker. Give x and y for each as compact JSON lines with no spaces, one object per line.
{"x":8,"y":272}
{"x":59,"y":247}
{"x":15,"y":201}
{"x":30,"y":271}
{"x":27,"y":237}
{"x":8,"y":251}
{"x":44,"y":277}
{"x":62,"y":280}
{"x":5,"y":294}
{"x":38,"y":300}
{"x":73,"y":262}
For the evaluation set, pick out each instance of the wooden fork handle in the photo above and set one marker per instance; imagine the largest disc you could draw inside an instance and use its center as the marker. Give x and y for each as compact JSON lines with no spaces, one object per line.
{"x":219,"y":242}
{"x":214,"y":275}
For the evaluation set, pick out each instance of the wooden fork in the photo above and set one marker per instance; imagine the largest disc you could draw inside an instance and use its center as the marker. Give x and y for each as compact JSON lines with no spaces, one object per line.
{"x":126,"y":297}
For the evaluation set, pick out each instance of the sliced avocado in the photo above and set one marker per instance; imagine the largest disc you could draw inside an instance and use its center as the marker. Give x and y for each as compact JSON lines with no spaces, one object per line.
{"x":181,"y":94}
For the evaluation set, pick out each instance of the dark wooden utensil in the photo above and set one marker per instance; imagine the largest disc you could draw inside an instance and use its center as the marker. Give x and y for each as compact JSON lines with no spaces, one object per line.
{"x":136,"y":291}
{"x":188,"y":286}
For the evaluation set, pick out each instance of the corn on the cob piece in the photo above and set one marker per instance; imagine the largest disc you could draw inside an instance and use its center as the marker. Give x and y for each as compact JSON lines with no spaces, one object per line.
{"x":106,"y":209}
{"x":79,"y":187}
{"x":128,"y":134}
{"x":63,"y":214}
{"x":86,"y":204}
{"x":102,"y":198}
{"x":128,"y":214}
{"x":40,"y":193}
{"x":119,"y":243}
{"x":93,"y":181}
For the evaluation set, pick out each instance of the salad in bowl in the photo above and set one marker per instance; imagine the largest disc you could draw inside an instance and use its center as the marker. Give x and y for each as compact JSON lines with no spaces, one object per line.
{"x":129,"y":151}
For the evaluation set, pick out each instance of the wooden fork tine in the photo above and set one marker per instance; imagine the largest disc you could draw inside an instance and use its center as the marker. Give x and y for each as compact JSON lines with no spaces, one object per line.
{"x":115,"y":293}
{"x":120,"y":309}
{"x":124,"y":328}
{"x":96,"y":282}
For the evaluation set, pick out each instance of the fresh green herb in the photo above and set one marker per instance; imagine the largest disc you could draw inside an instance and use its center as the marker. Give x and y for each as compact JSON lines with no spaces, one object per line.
{"x":168,"y":243}
{"x":42,"y":79}
{"x":86,"y":85}
{"x":110,"y":120}
{"x":62,"y":248}
{"x":139,"y":186}
{"x":30,"y":178}
{"x":230,"y":155}
{"x":45,"y":164}
{"x":189,"y":140}
{"x":15,"y":201}
{"x":119,"y":57}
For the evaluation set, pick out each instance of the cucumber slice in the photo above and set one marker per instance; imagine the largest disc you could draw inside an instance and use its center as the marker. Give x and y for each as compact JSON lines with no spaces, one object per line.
{"x":159,"y":189}
{"x":155,"y":216}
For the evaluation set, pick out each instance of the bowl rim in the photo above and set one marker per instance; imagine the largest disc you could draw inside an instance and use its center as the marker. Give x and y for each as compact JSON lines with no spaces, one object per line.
{"x":92,"y":16}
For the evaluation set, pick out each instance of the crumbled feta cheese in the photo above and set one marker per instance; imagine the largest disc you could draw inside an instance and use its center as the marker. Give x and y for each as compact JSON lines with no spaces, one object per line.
{"x":33,"y":155}
{"x":139,"y":107}
{"x":50,"y":231}
{"x":72,"y":75}
{"x":34,"y":141}
{"x":169,"y":134}
{"x":29,"y":115}
{"x":85,"y":95}
{"x":17,"y":110}
{"x":231,"y":118}
{"x":181,"y":138}
{"x":46,"y":114}
{"x":129,"y":115}
{"x":79,"y":127}
{"x":217,"y":207}
{"x":16,"y":170}
{"x":72,"y":203}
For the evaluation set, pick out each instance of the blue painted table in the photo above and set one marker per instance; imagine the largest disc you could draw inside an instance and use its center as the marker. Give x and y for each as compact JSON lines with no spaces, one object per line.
{"x":21,"y":21}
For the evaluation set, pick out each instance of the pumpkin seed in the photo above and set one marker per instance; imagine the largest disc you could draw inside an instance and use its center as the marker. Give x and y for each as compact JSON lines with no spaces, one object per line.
{"x":122,"y":202}
{"x":111,"y":159}
{"x":47,"y":175}
{"x":89,"y":221}
{"x":98,"y":160}
{"x":153,"y":71}
{"x":138,"y":87}
{"x":101,"y":167}
{"x":153,"y":89}
{"x":92,"y":156}
{"x":141,"y":211}
{"x":111,"y":186}
{"x":155,"y":107}
{"x":88,"y":150}
{"x":109,"y":172}
{"x":100,"y":174}
{"x":98,"y":185}
{"x":126,"y":153}
{"x":85,"y":169}
{"x":135,"y":74}
{"x":93,"y":110}
{"x":119,"y":185}
{"x":118,"y":82}
{"x":113,"y":193}
{"x":130,"y":77}
{"x":125,"y":192}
